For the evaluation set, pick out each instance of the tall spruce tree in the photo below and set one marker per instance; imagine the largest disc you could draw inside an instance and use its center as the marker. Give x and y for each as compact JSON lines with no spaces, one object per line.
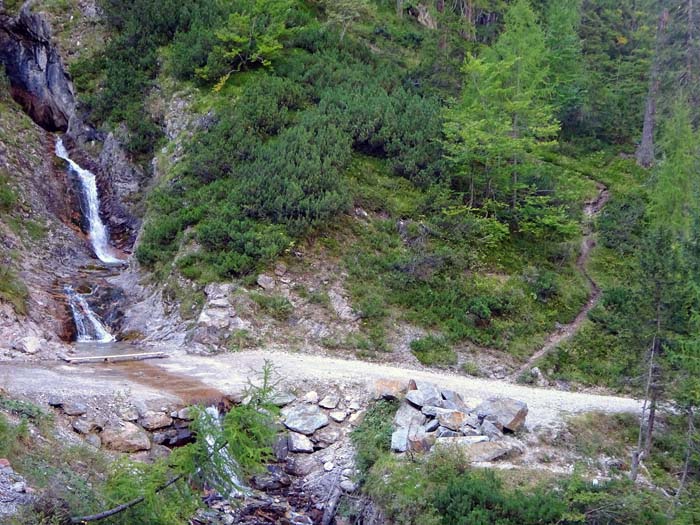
{"x":505,"y":116}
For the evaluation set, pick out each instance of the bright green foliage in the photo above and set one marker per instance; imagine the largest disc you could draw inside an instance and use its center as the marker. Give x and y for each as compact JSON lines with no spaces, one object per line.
{"x":479,"y":499}
{"x":275,"y":306}
{"x":566,"y":65}
{"x":8,"y":197}
{"x":433,"y":351}
{"x":676,"y":195}
{"x":372,"y":437}
{"x":344,"y":13}
{"x":251,"y":36}
{"x":505,"y":116}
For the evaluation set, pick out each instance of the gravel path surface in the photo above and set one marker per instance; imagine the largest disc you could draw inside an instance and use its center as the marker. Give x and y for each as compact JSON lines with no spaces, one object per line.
{"x":186,"y":376}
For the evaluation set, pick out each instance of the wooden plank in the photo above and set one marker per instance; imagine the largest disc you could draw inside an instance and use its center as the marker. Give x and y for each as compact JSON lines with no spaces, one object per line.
{"x":113,"y":358}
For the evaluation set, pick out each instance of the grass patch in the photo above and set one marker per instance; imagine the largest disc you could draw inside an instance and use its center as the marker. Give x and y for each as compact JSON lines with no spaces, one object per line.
{"x":372,"y":437}
{"x":13,"y":290}
{"x":597,"y":434}
{"x":434,"y":351}
{"x":275,"y":306}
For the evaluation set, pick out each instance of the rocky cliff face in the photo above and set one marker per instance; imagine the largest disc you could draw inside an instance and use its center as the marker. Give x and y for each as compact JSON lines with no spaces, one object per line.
{"x":39,"y":82}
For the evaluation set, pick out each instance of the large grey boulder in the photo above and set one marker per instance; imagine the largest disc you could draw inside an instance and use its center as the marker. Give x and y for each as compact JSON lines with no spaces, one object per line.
{"x":125,"y":437}
{"x":299,"y":443}
{"x":154,"y":420}
{"x":421,"y":393}
{"x":504,"y":412}
{"x":305,"y":419}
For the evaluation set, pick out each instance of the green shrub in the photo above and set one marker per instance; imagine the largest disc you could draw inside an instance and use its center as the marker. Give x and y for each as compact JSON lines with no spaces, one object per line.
{"x":275,"y":306}
{"x":372,"y":437}
{"x":478,"y":498}
{"x":8,"y":197}
{"x":433,"y":351}
{"x":13,"y":290}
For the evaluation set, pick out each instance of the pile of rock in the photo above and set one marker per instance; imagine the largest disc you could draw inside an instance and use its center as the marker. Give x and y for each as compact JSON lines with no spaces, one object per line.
{"x":431,"y":417}
{"x":14,"y":491}
{"x":142,"y":431}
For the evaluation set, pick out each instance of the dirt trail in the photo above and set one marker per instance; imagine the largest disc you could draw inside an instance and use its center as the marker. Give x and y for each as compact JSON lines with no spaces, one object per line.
{"x":591,"y":210}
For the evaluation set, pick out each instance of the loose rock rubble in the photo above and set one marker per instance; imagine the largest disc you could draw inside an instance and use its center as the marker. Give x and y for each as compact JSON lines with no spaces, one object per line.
{"x":433,"y":418}
{"x":14,"y":491}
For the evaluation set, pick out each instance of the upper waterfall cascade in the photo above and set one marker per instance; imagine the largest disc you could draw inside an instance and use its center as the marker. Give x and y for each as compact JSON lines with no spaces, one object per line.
{"x":87,"y":324}
{"x":99,"y":235}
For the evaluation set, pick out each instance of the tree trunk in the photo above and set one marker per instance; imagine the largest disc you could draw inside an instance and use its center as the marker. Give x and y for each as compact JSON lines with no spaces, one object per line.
{"x":638,"y":454}
{"x":645,"y":151}
{"x":688,"y":454}
{"x":691,"y":45}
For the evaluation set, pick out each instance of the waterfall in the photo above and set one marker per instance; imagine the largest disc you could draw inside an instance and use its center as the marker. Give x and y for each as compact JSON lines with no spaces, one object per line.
{"x":99,"y":236}
{"x":230,"y":482}
{"x":88,"y":325}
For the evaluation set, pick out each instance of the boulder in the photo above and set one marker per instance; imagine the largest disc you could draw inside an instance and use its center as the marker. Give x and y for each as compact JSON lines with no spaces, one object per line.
{"x":94,"y":440}
{"x":507,"y":413}
{"x":326,"y":436}
{"x":125,"y":437}
{"x":399,"y":440}
{"x":432,"y":425}
{"x":458,"y":441}
{"x":311,"y":397}
{"x":341,"y":307}
{"x":305,"y":419}
{"x":490,"y":430}
{"x":185,"y":414}
{"x":282,"y":399}
{"x":338,"y":415}
{"x":300,"y":465}
{"x":152,"y":420}
{"x":452,"y":419}
{"x":429,"y":393}
{"x":443,"y":432}
{"x":281,"y":447}
{"x":421,"y":441}
{"x":29,"y":345}
{"x":274,"y":479}
{"x":389,"y":388}
{"x":486,"y":451}
{"x":85,"y":425}
{"x":299,"y":443}
{"x":330,"y":401}
{"x":129,"y":414}
{"x":75,"y":408}
{"x":408,"y":416}
{"x":266,"y":282}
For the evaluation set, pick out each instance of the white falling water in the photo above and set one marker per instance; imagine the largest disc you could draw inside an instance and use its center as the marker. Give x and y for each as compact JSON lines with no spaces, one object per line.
{"x":87,"y":324}
{"x":99,"y":237}
{"x":226,"y":478}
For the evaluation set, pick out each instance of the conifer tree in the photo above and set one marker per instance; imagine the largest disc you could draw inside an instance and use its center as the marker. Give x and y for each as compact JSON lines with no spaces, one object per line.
{"x":505,"y":116}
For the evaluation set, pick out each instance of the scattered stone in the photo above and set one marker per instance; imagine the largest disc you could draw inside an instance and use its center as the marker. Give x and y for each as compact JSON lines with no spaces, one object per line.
{"x":338,"y":415}
{"x":389,"y":388}
{"x":458,"y":441}
{"x":341,"y":307}
{"x":354,"y":405}
{"x":94,"y":440}
{"x":490,"y":430}
{"x":126,"y":437}
{"x":299,"y":443}
{"x":508,"y":413}
{"x":348,"y":486}
{"x":281,"y":447}
{"x":274,"y":479}
{"x":328,"y":466}
{"x":407,"y":416}
{"x":129,"y":414}
{"x":430,"y":411}
{"x":443,"y":432}
{"x":29,"y":345}
{"x":85,"y":425}
{"x":486,"y":451}
{"x":152,"y":420}
{"x":356,"y":418}
{"x":282,"y":399}
{"x":5,"y":463}
{"x":305,"y":419}
{"x":266,"y":282}
{"x":429,"y":393}
{"x":159,"y":452}
{"x":311,"y":397}
{"x":300,"y":465}
{"x":326,"y":436}
{"x":330,"y":401}
{"x":280,"y":269}
{"x":75,"y":408}
{"x":452,"y":419}
{"x":185,"y":414}
{"x":421,"y":441}
{"x":432,"y":425}
{"x":399,"y":440}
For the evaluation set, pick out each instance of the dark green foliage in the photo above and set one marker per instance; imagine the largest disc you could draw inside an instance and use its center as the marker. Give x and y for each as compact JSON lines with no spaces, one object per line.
{"x":433,"y":351}
{"x":479,"y":499}
{"x":275,"y":306}
{"x":372,"y":437}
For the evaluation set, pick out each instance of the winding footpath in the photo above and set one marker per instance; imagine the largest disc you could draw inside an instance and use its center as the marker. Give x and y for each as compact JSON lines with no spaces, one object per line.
{"x":564,"y":332}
